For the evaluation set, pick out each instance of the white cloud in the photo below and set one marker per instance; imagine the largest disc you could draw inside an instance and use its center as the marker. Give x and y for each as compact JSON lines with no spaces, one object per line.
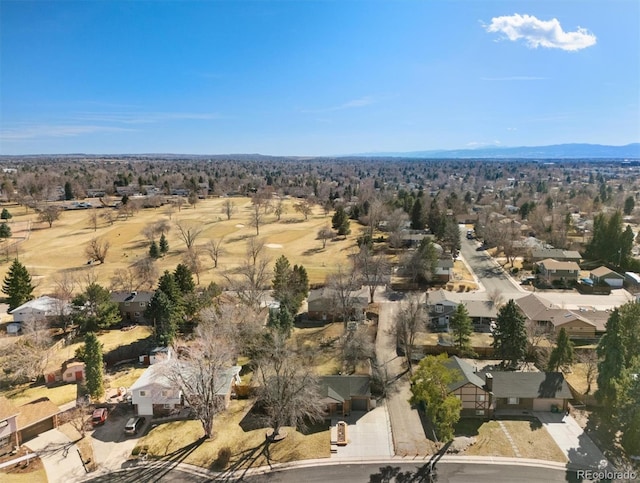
{"x":541,"y":33}
{"x":22,"y":132}
{"x":355,"y":103}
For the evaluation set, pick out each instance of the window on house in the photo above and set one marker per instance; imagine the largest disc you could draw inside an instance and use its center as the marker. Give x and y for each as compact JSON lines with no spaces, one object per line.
{"x":5,"y":441}
{"x":143,"y":393}
{"x":439,"y":308}
{"x":167,"y":406}
{"x":142,"y":304}
{"x":479,"y":412}
{"x":513,"y":400}
{"x":481,"y":398}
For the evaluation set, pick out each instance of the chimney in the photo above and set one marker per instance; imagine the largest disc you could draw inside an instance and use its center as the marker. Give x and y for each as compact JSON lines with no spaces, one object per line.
{"x":488,"y":381}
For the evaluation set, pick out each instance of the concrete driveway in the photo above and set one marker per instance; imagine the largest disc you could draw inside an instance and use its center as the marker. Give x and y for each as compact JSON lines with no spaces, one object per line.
{"x":579,"y":449}
{"x":111,"y":447}
{"x":368,"y":435}
{"x":59,"y":456}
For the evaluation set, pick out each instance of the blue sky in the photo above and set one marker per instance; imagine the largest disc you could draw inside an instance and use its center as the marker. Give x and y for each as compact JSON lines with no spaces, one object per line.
{"x":316,"y":77}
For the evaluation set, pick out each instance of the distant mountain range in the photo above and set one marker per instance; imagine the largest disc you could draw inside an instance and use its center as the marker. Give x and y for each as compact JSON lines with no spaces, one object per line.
{"x":556,"y":151}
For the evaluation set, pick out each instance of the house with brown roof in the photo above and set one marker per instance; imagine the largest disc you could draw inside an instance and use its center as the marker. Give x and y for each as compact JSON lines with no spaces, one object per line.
{"x":539,"y":254}
{"x":603,"y":274}
{"x":343,"y":394}
{"x":470,"y":388}
{"x":8,"y":425}
{"x":21,"y":424}
{"x":552,"y":270}
{"x":132,"y":305}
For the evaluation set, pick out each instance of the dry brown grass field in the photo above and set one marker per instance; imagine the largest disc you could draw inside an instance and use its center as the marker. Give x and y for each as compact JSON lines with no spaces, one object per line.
{"x":47,"y":252}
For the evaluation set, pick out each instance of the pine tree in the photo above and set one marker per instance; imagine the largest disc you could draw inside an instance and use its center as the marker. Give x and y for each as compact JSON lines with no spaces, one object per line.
{"x":164,"y":245}
{"x":417,"y":216}
{"x":17,"y":285}
{"x":93,"y":309}
{"x":184,"y":279}
{"x":510,"y":336}
{"x":290,"y":285}
{"x":281,"y":320}
{"x":340,"y":222}
{"x":5,"y":215}
{"x":5,"y":230}
{"x":462,"y":329}
{"x":562,"y":354}
{"x":154,"y":251}
{"x":93,"y":365}
{"x":164,"y":316}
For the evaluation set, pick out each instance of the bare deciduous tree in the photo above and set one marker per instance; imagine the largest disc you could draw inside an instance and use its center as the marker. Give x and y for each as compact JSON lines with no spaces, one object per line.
{"x":109,"y":216}
{"x":202,"y":372}
{"x":257,"y":217}
{"x":288,"y":392}
{"x":589,"y":359}
{"x":146,"y":273}
{"x":27,"y":358}
{"x":325,"y":233}
{"x":97,"y":249}
{"x":193,"y":260}
{"x":357,"y":346}
{"x":255,"y":247}
{"x":305,"y":207}
{"x":410,"y":319}
{"x":189,"y":232}
{"x":228,"y":208}
{"x":374,"y":270}
{"x":395,"y":225}
{"x":49,"y":214}
{"x":250,"y":281}
{"x":215,"y":250}
{"x":279,"y":209}
{"x":94,"y":219}
{"x":342,"y":284}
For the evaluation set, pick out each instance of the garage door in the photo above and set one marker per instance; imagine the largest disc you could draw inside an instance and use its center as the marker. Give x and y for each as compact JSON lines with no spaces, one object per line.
{"x":359,"y":404}
{"x":545,"y":404}
{"x":32,"y":431}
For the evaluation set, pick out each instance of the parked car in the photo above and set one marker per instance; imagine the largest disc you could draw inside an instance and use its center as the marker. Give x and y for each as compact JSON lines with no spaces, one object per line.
{"x":99,"y":416}
{"x":134,"y":425}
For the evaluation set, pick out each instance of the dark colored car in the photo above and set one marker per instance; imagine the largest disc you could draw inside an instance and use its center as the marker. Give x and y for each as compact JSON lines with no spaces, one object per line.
{"x":134,"y":425}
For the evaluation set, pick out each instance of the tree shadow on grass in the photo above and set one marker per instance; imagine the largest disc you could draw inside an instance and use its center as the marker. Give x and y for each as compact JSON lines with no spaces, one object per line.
{"x":312,"y":251}
{"x":159,"y":468}
{"x":245,"y":460}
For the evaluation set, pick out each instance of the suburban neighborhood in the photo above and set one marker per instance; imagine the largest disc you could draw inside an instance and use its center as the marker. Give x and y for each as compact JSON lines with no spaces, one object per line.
{"x":267,"y":328}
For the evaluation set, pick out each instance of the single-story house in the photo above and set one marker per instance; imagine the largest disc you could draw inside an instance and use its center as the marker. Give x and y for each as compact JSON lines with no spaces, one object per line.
{"x":583,"y":322}
{"x":531,"y":391}
{"x":343,"y":394}
{"x":132,"y":304}
{"x":44,"y":307}
{"x":470,"y":388}
{"x":8,"y":425}
{"x":155,"y":394}
{"x":552,"y":270}
{"x":70,"y":372}
{"x":325,"y":304}
{"x":603,"y":274}
{"x":35,"y":418}
{"x":539,"y":254}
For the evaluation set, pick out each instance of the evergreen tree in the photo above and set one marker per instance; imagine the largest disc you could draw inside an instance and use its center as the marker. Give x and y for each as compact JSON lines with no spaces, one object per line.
{"x":184,"y":279}
{"x":5,"y":230}
{"x":340,"y":222}
{"x":5,"y":215}
{"x":290,"y":285}
{"x":417,"y":216}
{"x":629,"y":205}
{"x":17,"y":285}
{"x":281,"y":320}
{"x":562,"y":354}
{"x":164,"y":316}
{"x":164,"y":245}
{"x":68,"y":191}
{"x":94,"y":365}
{"x":462,"y":329}
{"x":93,"y":309}
{"x":168,"y":285}
{"x":510,"y":336}
{"x":154,"y":251}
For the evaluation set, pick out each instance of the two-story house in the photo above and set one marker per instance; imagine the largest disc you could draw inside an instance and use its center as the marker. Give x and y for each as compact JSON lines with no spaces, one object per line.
{"x":552,"y":270}
{"x":132,"y":305}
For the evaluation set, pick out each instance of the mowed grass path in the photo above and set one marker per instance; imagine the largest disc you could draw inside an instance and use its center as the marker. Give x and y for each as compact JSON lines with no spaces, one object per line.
{"x":50,"y":251}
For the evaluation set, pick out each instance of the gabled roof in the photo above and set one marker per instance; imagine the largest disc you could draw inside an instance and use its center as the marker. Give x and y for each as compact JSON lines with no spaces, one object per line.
{"x":343,"y":388}
{"x":545,"y":385}
{"x":534,"y":308}
{"x":467,"y":374}
{"x":604,"y":272}
{"x":560,"y":317}
{"x":326,"y":293}
{"x":556,"y":253}
{"x":36,"y":411}
{"x":7,"y":409}
{"x":551,"y":264}
{"x":126,"y":296}
{"x":46,"y":304}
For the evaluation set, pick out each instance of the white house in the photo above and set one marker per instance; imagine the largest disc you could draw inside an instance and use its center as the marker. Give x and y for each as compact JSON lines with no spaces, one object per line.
{"x":154,"y":394}
{"x":40,"y":308}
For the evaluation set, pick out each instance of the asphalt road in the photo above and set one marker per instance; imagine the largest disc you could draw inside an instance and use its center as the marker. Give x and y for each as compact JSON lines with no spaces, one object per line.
{"x":489,"y":273}
{"x":446,"y":473}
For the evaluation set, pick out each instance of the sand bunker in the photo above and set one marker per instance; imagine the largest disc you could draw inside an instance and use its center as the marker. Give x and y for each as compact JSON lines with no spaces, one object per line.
{"x":273,"y":245}
{"x":239,"y":225}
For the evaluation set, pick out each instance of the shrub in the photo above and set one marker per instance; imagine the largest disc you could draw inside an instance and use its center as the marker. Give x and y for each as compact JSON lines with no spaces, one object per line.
{"x":224,"y":456}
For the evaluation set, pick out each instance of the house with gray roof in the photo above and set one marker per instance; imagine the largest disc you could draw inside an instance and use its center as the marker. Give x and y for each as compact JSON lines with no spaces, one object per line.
{"x":343,"y":394}
{"x":552,"y":270}
{"x":528,"y":391}
{"x":539,"y":254}
{"x":470,"y":388}
{"x":441,"y":304}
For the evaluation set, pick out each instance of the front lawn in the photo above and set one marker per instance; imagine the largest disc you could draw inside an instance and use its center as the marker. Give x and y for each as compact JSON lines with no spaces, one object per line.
{"x":180,"y":441}
{"x":58,"y":395}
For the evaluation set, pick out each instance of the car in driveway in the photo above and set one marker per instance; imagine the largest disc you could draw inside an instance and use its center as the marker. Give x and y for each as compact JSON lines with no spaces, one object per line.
{"x":134,"y":425}
{"x":99,"y":416}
